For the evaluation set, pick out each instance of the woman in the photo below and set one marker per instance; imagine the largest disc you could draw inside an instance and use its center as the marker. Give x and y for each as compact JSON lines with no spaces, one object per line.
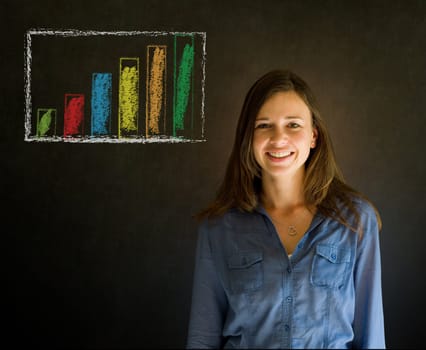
{"x":288,"y":254}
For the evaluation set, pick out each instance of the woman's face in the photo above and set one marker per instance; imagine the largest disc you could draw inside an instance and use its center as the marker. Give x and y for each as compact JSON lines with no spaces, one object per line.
{"x":283,"y":135}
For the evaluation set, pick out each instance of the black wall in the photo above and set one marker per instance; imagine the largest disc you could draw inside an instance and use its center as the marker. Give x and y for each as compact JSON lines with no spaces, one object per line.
{"x":100,"y":239}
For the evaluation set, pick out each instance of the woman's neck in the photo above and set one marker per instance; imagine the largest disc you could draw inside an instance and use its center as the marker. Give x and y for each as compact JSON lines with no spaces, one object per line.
{"x":283,"y":193}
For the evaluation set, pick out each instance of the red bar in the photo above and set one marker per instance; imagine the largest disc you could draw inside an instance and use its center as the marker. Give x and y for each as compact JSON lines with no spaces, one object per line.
{"x":74,"y":115}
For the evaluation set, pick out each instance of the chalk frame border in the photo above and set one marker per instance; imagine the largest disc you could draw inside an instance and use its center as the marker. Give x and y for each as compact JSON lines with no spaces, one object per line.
{"x":77,"y":32}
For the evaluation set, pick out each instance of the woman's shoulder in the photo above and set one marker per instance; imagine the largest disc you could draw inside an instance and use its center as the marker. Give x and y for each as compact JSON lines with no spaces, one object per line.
{"x":361,"y":212}
{"x":348,"y":201}
{"x":363,"y":205}
{"x":231,"y":220}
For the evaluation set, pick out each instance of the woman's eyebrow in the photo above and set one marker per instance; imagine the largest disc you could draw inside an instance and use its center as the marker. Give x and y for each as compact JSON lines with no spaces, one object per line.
{"x":286,"y":117}
{"x":293,"y":117}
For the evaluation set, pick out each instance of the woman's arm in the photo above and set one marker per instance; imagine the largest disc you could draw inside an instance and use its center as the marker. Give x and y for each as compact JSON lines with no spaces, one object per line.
{"x":368,"y":323}
{"x":209,"y":303}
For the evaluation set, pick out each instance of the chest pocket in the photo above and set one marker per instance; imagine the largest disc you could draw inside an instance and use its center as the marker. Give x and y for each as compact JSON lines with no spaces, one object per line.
{"x":330,"y":266}
{"x":245,"y":271}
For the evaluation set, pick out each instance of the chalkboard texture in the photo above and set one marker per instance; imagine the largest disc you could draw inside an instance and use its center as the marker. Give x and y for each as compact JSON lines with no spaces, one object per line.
{"x":100,"y":238}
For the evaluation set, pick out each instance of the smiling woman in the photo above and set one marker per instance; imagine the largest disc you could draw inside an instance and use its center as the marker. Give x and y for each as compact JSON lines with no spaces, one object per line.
{"x":283,"y":135}
{"x":288,"y":254}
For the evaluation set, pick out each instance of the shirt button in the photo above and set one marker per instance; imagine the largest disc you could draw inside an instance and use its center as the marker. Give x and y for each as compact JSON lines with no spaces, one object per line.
{"x":289,"y":269}
{"x":333,"y":256}
{"x":289,"y":299}
{"x":286,"y":327}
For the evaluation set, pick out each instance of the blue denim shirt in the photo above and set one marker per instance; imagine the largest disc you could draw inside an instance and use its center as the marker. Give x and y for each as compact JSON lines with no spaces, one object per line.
{"x":248,"y":293}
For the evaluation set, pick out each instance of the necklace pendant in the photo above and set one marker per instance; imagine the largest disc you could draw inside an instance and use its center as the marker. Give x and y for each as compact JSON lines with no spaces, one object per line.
{"x":292,"y":230}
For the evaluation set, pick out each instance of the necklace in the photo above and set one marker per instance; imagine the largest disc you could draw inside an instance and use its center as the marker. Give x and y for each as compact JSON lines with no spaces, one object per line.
{"x":292,"y":230}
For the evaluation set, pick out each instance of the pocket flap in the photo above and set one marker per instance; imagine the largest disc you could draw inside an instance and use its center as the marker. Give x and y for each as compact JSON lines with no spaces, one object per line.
{"x":244,"y":260}
{"x":334,"y":254}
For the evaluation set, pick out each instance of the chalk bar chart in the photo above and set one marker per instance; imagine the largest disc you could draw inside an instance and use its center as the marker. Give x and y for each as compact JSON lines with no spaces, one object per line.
{"x":114,"y":87}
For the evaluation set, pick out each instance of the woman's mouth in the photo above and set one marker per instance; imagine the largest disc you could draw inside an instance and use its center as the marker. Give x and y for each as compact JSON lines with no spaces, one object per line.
{"x":279,"y":155}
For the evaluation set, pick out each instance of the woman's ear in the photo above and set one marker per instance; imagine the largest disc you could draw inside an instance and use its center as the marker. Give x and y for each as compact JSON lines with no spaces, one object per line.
{"x":314,"y":137}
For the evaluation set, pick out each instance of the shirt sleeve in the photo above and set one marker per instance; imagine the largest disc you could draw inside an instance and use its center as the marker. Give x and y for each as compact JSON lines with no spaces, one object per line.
{"x":369,"y":321}
{"x":209,"y":302}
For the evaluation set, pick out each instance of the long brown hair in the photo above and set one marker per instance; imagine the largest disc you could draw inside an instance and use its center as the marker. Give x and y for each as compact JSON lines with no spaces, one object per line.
{"x":324,"y":186}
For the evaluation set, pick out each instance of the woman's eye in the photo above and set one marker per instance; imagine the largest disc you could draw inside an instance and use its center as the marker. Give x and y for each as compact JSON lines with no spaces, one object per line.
{"x":262,"y":126}
{"x":294,"y":125}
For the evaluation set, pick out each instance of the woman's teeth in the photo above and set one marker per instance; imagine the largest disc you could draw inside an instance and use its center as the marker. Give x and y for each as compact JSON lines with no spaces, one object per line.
{"x":279,"y":154}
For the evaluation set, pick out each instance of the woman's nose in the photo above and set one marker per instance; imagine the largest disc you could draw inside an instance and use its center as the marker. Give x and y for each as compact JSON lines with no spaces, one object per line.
{"x":279,"y":137}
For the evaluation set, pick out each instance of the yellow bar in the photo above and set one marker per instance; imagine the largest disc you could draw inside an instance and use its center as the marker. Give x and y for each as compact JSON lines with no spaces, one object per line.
{"x":128,"y":97}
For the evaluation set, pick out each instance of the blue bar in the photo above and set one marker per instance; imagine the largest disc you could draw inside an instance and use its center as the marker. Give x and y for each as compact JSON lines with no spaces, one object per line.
{"x":101,"y":103}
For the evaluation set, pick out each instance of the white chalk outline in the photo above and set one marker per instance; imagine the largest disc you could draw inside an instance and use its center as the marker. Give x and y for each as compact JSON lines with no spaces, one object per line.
{"x":90,"y":139}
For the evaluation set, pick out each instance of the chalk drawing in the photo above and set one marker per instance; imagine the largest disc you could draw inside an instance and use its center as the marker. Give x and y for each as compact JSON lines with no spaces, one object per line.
{"x":101,"y":103}
{"x":183,"y":84}
{"x":122,"y":86}
{"x":156,"y":89}
{"x":128,"y":98}
{"x":74,"y":115}
{"x":46,"y":122}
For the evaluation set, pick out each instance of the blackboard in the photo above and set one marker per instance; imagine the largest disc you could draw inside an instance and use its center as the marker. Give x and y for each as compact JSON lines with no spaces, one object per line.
{"x":100,"y":235}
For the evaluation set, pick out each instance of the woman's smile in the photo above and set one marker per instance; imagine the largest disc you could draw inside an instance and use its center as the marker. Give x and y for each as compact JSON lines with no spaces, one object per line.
{"x":279,"y":156}
{"x":283,"y":134}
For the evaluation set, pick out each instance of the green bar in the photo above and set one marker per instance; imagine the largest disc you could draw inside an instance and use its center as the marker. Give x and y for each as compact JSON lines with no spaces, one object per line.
{"x":183,"y":84}
{"x":46,"y":122}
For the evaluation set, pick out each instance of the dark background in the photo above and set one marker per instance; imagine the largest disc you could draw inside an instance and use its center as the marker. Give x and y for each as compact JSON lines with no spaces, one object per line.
{"x":100,"y":241}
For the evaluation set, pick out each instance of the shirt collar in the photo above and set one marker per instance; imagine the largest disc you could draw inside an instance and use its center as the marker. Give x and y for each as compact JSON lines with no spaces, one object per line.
{"x":316,"y":220}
